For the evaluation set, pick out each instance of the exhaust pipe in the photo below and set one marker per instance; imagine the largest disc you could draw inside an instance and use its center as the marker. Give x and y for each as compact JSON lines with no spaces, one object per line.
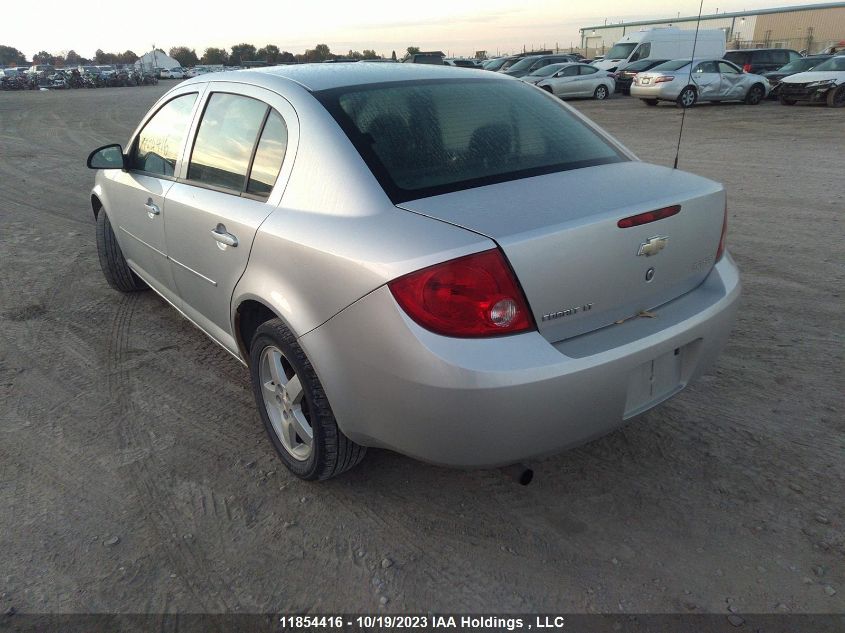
{"x":522,"y":474}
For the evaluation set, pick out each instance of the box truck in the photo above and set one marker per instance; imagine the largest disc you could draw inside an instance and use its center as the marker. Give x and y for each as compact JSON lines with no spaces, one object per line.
{"x":663,"y":43}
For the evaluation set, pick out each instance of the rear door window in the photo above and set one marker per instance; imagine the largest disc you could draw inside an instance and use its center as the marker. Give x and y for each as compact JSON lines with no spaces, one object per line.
{"x":225,"y":141}
{"x":158,"y":145}
{"x":268,"y":156}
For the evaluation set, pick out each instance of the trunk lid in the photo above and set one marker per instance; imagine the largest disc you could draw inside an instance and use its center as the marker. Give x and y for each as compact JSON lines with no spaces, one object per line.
{"x":579,"y":270}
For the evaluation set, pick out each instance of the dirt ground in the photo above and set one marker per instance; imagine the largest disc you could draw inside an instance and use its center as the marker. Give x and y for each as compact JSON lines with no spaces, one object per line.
{"x":135,"y":475}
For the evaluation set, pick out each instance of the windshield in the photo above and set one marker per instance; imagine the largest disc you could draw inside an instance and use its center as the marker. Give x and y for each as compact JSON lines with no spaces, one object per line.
{"x":675,"y":64}
{"x":799,"y":65}
{"x":425,"y":138}
{"x":834,"y":63}
{"x":525,"y":63}
{"x":620,"y":51}
{"x":548,"y":71}
{"x":495,"y":64}
{"x":643,"y":64}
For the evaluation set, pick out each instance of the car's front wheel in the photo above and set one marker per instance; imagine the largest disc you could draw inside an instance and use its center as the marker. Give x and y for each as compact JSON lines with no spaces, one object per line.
{"x":294,"y":407}
{"x":115,"y":269}
{"x":601,"y":93}
{"x":836,"y":98}
{"x":755,"y":94}
{"x":688,"y":97}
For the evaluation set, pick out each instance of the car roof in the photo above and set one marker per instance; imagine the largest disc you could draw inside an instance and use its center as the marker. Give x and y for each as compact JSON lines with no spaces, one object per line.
{"x":315,"y":77}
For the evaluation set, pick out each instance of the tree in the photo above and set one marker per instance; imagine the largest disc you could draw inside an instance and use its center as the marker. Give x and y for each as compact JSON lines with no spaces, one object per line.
{"x":269,"y":54}
{"x":354,"y":55}
{"x":319,"y":53}
{"x":72,"y":58}
{"x":215,"y":56}
{"x":285,"y":56}
{"x":393,"y":56}
{"x":127,"y":57}
{"x":43,"y":57}
{"x":102,"y":58}
{"x":186,"y":57}
{"x":370,"y":54}
{"x":413,"y":50}
{"x":10,"y":56}
{"x":242,"y":53}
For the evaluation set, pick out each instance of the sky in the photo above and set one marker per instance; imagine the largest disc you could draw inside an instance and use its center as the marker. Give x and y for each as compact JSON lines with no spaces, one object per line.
{"x":457,"y":28}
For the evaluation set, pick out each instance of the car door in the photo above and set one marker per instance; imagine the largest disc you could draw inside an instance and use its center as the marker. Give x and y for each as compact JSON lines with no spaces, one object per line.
{"x":136,"y":199}
{"x":708,"y":80}
{"x":589,"y":79}
{"x":231,"y":180}
{"x":734,"y":82}
{"x":565,"y":82}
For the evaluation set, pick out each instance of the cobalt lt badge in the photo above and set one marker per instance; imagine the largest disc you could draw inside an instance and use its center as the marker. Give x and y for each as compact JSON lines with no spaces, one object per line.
{"x":653,"y":245}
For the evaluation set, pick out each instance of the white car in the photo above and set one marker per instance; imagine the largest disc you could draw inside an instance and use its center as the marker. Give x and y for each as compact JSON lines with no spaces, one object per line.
{"x":573,"y":80}
{"x":173,"y":73}
{"x":824,"y":84}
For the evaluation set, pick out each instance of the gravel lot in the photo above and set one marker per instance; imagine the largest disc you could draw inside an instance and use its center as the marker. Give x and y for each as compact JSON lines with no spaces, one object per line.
{"x":135,"y":475}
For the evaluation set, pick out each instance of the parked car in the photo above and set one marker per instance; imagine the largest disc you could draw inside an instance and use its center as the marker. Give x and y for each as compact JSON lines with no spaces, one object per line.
{"x":172,"y":73}
{"x":760,"y":60}
{"x":431,"y":57}
{"x":573,"y":80}
{"x":460,"y":62}
{"x":710,"y":80}
{"x":462,"y":286}
{"x":825,"y":83}
{"x":528,"y":65}
{"x":625,"y":77}
{"x":494,"y":64}
{"x":798,"y":66}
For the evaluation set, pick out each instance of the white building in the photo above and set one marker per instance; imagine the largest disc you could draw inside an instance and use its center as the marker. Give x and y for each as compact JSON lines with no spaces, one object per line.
{"x":155,"y":59}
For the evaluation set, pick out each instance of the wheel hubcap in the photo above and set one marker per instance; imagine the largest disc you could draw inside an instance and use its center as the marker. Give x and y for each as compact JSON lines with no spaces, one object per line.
{"x":284,"y":400}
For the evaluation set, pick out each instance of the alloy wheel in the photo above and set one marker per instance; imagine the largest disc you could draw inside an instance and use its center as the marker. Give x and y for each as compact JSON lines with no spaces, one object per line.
{"x":286,"y":404}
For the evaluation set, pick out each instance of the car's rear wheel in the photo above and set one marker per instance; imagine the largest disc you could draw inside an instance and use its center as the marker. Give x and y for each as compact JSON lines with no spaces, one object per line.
{"x":115,"y":269}
{"x":836,"y":98}
{"x":294,"y":407}
{"x":787,"y":101}
{"x":755,"y":94}
{"x":601,"y":93}
{"x":687,"y":98}
{"x":649,"y":102}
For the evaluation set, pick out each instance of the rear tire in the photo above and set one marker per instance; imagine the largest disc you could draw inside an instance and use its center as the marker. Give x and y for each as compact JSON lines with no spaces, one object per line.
{"x":601,"y":93}
{"x":687,"y":98}
{"x":115,"y":269}
{"x":836,"y":98}
{"x":328,"y":452}
{"x":787,"y":101}
{"x":649,"y":102}
{"x":755,"y":95}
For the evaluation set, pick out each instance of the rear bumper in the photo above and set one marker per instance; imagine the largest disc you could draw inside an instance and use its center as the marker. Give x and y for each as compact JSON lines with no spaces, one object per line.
{"x":490,"y":402}
{"x":665,"y":90}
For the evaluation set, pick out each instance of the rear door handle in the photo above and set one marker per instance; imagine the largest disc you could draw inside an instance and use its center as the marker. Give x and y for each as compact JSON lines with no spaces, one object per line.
{"x":152,"y":208}
{"x":223,"y":236}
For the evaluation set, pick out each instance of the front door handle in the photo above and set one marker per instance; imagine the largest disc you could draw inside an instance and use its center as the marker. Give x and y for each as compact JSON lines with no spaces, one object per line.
{"x":224,"y":237}
{"x":152,"y":208}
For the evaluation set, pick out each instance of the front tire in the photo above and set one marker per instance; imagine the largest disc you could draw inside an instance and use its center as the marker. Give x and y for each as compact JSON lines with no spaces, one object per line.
{"x":687,"y":98}
{"x":755,"y":95}
{"x":836,"y":98}
{"x":601,"y":93}
{"x":115,"y":269}
{"x":294,"y":407}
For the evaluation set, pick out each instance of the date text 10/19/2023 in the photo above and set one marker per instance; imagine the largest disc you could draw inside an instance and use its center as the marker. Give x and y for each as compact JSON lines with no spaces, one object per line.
{"x":452,"y":622}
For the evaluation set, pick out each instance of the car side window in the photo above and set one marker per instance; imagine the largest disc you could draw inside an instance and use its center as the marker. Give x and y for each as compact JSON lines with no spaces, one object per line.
{"x":706,"y":67}
{"x":727,"y":69}
{"x":225,"y":140}
{"x":588,"y":70}
{"x":268,"y":156}
{"x":158,"y":145}
{"x":570,"y":71}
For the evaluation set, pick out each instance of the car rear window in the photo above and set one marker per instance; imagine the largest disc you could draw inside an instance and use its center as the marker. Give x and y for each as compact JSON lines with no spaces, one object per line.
{"x":424,"y":138}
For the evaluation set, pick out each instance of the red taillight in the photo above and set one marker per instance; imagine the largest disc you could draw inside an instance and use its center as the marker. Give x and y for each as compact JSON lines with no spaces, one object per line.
{"x":649,"y":216}
{"x":723,"y":239}
{"x":473,"y":296}
{"x":746,"y":68}
{"x":663,"y":79}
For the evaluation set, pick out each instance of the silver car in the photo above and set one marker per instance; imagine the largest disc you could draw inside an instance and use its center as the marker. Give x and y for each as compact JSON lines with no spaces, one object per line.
{"x":710,"y":80}
{"x":420,"y":258}
{"x":573,"y":80}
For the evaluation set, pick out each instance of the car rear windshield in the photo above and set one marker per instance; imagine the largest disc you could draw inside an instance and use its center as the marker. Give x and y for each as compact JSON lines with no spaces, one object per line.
{"x":675,"y":64}
{"x":424,"y":138}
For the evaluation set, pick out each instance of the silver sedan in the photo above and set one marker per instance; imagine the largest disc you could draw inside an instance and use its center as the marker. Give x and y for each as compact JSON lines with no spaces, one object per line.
{"x":686,"y":82}
{"x":416,"y":257}
{"x":573,"y":80}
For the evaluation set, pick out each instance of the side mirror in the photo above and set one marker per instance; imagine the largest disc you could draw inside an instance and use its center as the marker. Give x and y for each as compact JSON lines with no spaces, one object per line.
{"x":107,"y":157}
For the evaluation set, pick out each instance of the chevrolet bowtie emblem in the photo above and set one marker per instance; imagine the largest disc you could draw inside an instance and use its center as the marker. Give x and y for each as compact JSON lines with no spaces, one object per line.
{"x":653,"y":245}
